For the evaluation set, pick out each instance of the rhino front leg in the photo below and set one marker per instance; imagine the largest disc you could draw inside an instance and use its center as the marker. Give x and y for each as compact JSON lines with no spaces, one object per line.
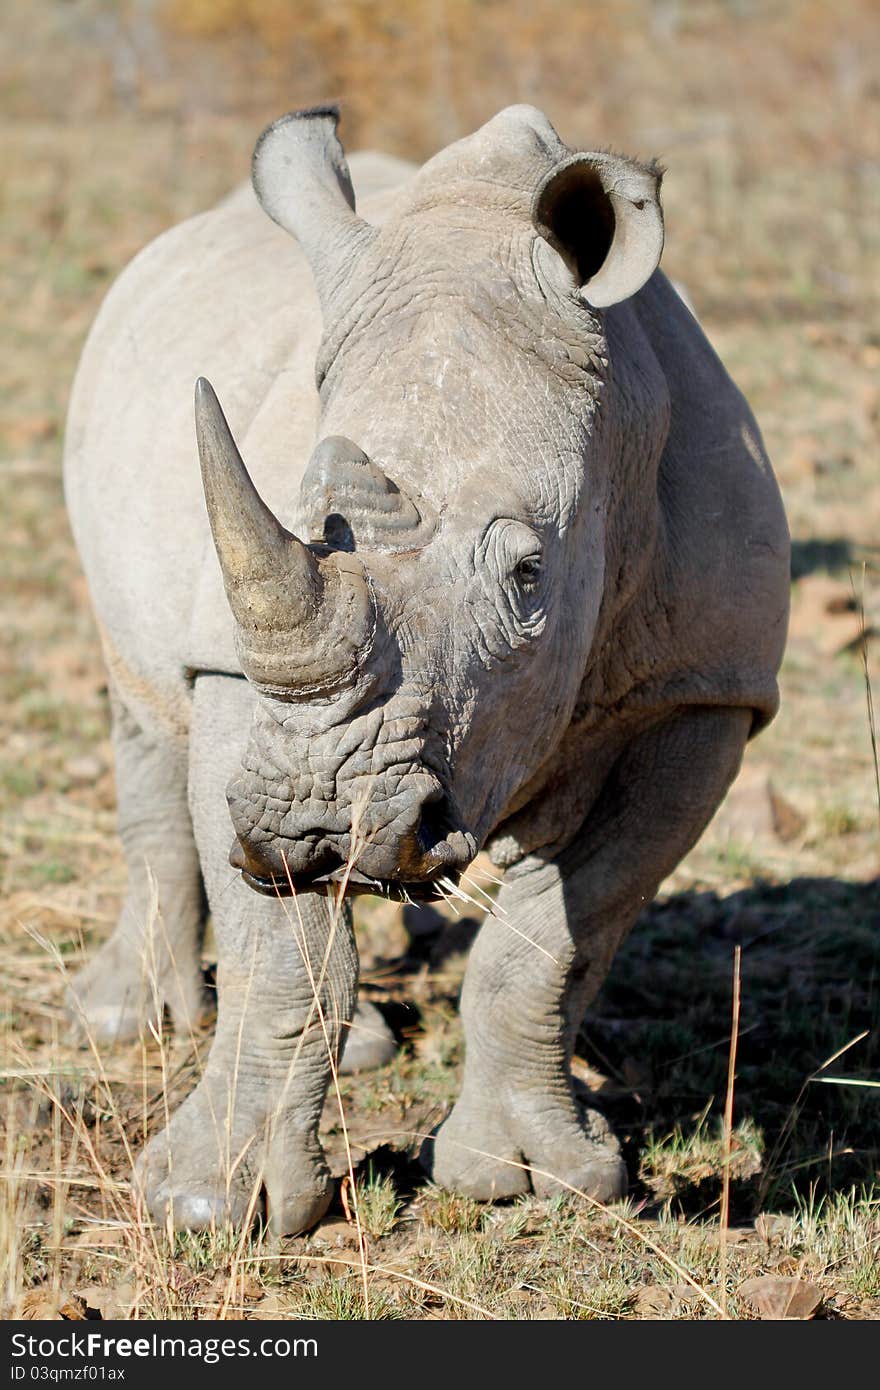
{"x":247,"y":1137}
{"x":538,"y":963}
{"x":287,"y":981}
{"x":152,"y":960}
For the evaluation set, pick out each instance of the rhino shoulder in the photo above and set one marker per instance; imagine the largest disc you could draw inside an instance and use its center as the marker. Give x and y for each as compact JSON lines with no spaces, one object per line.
{"x":710,"y":626}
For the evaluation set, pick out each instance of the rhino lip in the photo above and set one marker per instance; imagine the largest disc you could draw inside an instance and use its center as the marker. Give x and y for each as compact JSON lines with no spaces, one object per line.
{"x":355,"y":882}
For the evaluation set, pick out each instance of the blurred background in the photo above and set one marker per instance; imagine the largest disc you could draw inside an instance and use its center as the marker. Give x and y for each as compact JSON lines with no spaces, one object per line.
{"x":120,"y":117}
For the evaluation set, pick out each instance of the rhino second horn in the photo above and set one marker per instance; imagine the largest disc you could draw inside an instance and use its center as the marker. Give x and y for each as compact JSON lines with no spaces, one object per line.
{"x":341,"y":481}
{"x":269,"y":575}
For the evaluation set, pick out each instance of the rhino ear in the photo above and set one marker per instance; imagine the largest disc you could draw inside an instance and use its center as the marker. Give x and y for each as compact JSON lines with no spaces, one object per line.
{"x":601,"y":213}
{"x":301,"y":180}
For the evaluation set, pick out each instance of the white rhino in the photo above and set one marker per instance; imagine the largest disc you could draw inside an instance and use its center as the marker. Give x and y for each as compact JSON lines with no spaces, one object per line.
{"x":528,"y":592}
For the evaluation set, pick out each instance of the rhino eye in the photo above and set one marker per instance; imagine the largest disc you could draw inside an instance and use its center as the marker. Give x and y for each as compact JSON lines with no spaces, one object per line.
{"x":512,"y":553}
{"x":528,"y":572}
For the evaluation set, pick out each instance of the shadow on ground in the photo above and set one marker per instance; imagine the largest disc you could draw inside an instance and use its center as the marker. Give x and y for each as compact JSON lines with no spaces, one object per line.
{"x":810,"y":986}
{"x":659,"y":1035}
{"x":831,"y":555}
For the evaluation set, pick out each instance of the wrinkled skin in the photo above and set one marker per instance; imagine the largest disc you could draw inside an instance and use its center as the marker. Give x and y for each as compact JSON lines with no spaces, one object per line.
{"x":528,"y":593}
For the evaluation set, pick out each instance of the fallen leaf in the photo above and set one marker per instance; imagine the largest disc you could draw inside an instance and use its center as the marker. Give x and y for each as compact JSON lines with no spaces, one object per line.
{"x":39,"y":1306}
{"x":43,"y":1305}
{"x":788,"y":823}
{"x":113,"y":1301}
{"x":98,"y":1237}
{"x":772,"y":1227}
{"x":75,"y":1309}
{"x":737,"y":1235}
{"x":776,"y":1297}
{"x":343,"y":1197}
{"x":588,"y":1076}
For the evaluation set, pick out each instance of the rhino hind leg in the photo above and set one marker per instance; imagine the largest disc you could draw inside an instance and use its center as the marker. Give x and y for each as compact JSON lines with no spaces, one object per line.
{"x":536,"y":966}
{"x":152,"y":960}
{"x":369,"y":1041}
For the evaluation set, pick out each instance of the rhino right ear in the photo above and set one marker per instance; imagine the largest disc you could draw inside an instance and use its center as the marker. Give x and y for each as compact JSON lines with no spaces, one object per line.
{"x":601,"y":212}
{"x":302,"y":181}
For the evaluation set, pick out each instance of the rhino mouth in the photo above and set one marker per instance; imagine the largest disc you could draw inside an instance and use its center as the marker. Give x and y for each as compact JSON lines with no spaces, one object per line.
{"x":422,"y":867}
{"x":354,"y":882}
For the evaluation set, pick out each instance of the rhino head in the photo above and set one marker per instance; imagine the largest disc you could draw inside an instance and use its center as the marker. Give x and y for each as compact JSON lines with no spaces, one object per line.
{"x":418,"y":654}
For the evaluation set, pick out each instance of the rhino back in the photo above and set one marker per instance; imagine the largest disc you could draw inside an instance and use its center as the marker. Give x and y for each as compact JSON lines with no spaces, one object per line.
{"x":227,"y":295}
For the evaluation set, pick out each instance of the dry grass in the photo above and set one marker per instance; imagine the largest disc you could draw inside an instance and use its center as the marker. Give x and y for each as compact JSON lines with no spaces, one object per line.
{"x":763,"y":115}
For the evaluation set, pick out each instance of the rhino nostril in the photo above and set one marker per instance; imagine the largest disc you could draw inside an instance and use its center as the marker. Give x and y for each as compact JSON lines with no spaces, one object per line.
{"x":433,"y":826}
{"x":242,"y":857}
{"x":441,"y":841}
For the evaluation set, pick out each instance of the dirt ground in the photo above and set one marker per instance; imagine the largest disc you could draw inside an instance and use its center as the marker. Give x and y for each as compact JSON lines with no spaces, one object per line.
{"x":119,"y":119}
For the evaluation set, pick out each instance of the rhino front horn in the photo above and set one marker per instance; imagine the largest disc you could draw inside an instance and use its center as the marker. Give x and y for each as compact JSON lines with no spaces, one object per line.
{"x":263,"y":564}
{"x":300,"y":625}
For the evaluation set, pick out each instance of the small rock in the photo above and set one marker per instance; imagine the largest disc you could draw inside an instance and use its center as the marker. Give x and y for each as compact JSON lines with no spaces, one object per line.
{"x":745,"y":811}
{"x":637,"y":1074}
{"x":341,"y":1262}
{"x":337,"y":1232}
{"x":656,"y":1301}
{"x":231,"y":1291}
{"x":83,"y":771}
{"x":777,"y":1298}
{"x":755,"y":808}
{"x":825,"y":612}
{"x":271,"y":1308}
{"x":686,"y":1293}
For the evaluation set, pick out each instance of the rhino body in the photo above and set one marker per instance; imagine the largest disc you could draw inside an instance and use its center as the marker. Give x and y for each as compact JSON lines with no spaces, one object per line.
{"x":528,"y":593}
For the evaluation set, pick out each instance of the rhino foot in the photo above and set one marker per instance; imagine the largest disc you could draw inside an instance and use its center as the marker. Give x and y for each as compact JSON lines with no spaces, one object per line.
{"x":370,"y":1042}
{"x":113,"y":1000}
{"x":205,"y":1171}
{"x":490,"y":1152}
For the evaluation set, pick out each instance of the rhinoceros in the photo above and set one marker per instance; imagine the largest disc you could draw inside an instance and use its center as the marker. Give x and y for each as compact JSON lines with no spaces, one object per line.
{"x":507,"y":570}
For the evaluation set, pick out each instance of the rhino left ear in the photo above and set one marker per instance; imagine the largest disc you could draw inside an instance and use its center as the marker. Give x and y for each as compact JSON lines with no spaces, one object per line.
{"x":601,"y":213}
{"x":302,"y":181}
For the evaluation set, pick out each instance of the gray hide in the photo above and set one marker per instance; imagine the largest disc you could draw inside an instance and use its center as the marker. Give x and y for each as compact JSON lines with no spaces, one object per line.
{"x":514,"y":578}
